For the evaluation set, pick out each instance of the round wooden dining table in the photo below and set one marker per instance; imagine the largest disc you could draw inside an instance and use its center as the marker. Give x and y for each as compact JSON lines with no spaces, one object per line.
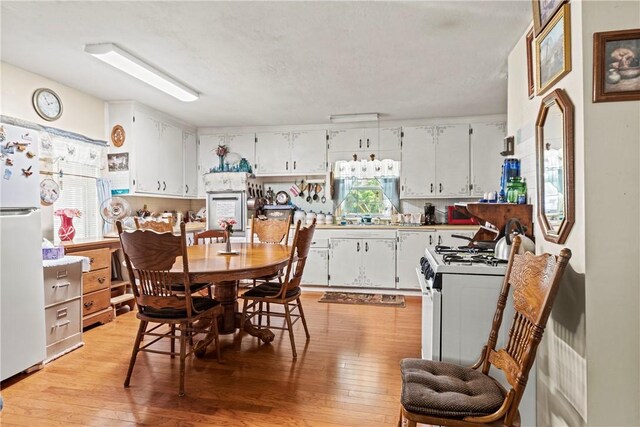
{"x":253,"y":260}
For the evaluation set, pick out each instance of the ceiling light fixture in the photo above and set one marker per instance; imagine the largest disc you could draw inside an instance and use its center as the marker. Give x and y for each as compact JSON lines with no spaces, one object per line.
{"x":124,"y":61}
{"x":349,"y":118}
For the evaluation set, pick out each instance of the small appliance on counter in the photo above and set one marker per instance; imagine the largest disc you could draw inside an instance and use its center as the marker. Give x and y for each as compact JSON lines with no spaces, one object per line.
{"x":429,"y":214}
{"x":455,"y":217}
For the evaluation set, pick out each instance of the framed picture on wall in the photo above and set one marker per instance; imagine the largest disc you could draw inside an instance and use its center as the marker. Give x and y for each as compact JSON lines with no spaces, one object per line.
{"x":553,"y":51}
{"x":616,"y":66}
{"x":543,"y":11}
{"x":531,"y":89}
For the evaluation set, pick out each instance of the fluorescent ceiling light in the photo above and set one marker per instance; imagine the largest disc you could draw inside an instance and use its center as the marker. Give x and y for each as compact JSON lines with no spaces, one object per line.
{"x":124,"y":61}
{"x":348,"y":118}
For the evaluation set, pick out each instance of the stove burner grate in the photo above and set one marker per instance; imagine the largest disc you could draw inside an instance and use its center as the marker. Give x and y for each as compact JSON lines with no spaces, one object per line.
{"x":441,"y":249}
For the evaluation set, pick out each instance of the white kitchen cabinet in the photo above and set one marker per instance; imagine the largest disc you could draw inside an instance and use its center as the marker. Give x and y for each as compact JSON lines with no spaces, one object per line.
{"x":155,"y":144}
{"x":418,"y":172}
{"x":291,"y":153}
{"x":435,"y":161}
{"x":411,"y":246}
{"x":486,"y":162}
{"x":362,"y":262}
{"x":242,"y":144}
{"x":385,"y":143}
{"x":190,"y":164}
{"x":452,"y":160}
{"x":316,"y":268}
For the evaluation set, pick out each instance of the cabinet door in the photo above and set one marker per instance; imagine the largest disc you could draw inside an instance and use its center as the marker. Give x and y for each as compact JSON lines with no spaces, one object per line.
{"x":378,"y":262}
{"x":273,"y":153}
{"x":243,"y":144}
{"x":316,"y":269}
{"x":350,"y":140}
{"x":371,"y":140}
{"x":486,"y":162}
{"x":170,"y":164}
{"x":190,"y":166}
{"x":389,"y":139}
{"x":452,"y":154}
{"x":345,"y":262}
{"x":417,"y":176}
{"x":148,"y":155}
{"x":411,"y":246}
{"x":308,"y":152}
{"x":207,"y":157}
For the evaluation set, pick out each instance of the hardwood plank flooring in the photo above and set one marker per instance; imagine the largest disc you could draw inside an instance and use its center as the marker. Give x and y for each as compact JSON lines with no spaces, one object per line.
{"x":346,"y":374}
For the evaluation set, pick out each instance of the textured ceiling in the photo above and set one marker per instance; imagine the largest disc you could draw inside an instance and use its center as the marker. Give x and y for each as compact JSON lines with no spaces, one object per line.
{"x":268,"y":63}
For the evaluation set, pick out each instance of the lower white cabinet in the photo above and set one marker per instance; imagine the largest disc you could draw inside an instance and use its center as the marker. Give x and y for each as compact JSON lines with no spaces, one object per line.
{"x":411,"y":246}
{"x":316,"y":268}
{"x":362,"y":262}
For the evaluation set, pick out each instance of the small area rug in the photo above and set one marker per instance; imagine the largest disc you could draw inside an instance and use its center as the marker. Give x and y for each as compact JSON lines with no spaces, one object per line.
{"x":368,"y":299}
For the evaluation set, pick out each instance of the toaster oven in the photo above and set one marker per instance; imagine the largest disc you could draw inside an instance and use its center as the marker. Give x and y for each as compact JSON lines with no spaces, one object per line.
{"x":456,"y":217}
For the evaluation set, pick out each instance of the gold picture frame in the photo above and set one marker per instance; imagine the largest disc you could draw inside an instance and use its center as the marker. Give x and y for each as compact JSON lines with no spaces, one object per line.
{"x":531,"y":84}
{"x":543,"y":11}
{"x":553,"y":51}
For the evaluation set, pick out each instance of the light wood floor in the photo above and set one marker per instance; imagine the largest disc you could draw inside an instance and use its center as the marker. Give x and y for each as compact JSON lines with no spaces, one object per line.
{"x":348,"y":374}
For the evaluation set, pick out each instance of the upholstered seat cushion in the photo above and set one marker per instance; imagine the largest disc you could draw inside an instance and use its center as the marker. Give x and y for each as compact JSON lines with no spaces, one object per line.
{"x":199,"y":303}
{"x":447,"y":390}
{"x":269,"y":290}
{"x":194,"y":287}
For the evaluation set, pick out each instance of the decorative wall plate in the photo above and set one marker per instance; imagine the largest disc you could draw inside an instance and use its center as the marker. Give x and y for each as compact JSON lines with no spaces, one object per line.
{"x":118,"y":135}
{"x":49,"y":191}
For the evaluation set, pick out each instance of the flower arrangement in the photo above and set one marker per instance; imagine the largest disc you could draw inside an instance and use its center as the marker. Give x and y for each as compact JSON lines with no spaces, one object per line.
{"x":226,"y":224}
{"x":68,"y":212}
{"x":222,"y":150}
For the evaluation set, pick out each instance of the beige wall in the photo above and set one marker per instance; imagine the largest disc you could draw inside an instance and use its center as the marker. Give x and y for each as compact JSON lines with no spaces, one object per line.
{"x":586,"y":375}
{"x":82,"y":113}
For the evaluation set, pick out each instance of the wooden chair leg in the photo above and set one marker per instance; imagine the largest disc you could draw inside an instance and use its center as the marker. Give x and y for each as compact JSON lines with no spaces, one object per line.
{"x":183,"y":351}
{"x":304,"y":321}
{"x":141,"y":329}
{"x":244,"y":313}
{"x":287,"y":315}
{"x":173,"y":340}
{"x":268,"y":314}
{"x":260,"y":314}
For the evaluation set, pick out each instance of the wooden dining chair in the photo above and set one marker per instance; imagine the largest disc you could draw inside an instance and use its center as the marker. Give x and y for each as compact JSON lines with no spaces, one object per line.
{"x":209,"y":236}
{"x":149,"y":256}
{"x":286,"y":293}
{"x":444,"y":394}
{"x":159,"y":226}
{"x":270,"y":230}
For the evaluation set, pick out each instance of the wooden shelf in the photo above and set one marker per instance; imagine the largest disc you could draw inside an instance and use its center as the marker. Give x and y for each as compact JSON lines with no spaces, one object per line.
{"x":122,"y":298}
{"x":119,"y":283}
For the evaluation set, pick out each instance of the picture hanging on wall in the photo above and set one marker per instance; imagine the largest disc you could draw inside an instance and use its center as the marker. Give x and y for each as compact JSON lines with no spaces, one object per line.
{"x":543,"y":11}
{"x":531,"y":89}
{"x":616,"y":66}
{"x":553,"y":51}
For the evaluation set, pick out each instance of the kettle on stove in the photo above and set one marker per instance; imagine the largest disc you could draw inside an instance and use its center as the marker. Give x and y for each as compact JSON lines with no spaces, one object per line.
{"x":503,"y":247}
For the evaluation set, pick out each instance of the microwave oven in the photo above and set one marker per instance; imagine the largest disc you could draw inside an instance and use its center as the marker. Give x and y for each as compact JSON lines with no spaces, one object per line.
{"x":456,"y":217}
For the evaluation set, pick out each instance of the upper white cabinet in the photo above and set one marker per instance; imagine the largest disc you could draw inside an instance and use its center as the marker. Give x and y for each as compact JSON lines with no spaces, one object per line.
{"x":435,"y":161}
{"x":190,"y":150}
{"x":486,"y":162}
{"x":385,"y":143}
{"x":241,"y":143}
{"x":161,"y":152}
{"x":291,"y":153}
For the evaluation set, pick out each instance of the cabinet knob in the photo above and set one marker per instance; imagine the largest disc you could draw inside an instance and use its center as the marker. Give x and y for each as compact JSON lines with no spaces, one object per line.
{"x":101,"y":280}
{"x":366,"y":246}
{"x":440,"y":187}
{"x":61,"y":285}
{"x":91,"y":260}
{"x":358,"y":246}
{"x":432,"y":187}
{"x":294,"y":165}
{"x":186,"y":187}
{"x":367,"y":142}
{"x":158,"y":185}
{"x":360,"y":145}
{"x":88,"y":304}
{"x":164,"y":188}
{"x":287,"y":166}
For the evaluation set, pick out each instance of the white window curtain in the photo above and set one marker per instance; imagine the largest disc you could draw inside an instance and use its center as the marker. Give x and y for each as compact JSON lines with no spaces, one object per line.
{"x":75,"y":166}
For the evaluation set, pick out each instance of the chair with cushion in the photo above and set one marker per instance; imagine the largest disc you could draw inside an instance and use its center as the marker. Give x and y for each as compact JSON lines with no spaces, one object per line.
{"x":444,"y":394}
{"x":286,"y":293}
{"x":209,"y":236}
{"x":149,"y":256}
{"x":159,"y":226}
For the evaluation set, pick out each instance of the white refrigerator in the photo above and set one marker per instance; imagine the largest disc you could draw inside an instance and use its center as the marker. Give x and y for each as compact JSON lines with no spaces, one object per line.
{"x":22,"y":326}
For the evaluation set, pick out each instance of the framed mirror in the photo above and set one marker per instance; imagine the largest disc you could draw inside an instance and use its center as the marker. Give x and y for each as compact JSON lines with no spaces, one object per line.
{"x":554,"y":159}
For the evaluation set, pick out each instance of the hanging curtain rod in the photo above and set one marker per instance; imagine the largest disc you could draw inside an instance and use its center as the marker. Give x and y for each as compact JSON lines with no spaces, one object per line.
{"x":62,"y":174}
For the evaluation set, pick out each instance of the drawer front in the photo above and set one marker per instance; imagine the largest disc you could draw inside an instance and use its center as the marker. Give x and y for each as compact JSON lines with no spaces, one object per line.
{"x":62,"y":320}
{"x":96,"y":280}
{"x":319,"y":243}
{"x":96,"y":301}
{"x":62,"y":283}
{"x":98,"y":258}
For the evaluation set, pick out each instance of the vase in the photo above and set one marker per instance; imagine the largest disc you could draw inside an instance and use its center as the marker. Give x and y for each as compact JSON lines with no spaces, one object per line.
{"x":66,"y":231}
{"x":220,"y":163}
{"x":227,"y":239}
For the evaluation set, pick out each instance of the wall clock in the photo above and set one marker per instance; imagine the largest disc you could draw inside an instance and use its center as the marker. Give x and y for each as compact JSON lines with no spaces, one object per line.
{"x":47,"y":104}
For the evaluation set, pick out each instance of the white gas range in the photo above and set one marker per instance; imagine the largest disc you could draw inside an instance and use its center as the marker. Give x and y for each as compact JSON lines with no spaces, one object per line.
{"x":460,"y":288}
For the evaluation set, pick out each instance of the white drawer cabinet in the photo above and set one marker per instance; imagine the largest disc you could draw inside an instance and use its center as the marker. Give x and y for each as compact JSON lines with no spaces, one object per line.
{"x":63,"y":308}
{"x":411,"y":246}
{"x":362,"y":262}
{"x":316,"y":268}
